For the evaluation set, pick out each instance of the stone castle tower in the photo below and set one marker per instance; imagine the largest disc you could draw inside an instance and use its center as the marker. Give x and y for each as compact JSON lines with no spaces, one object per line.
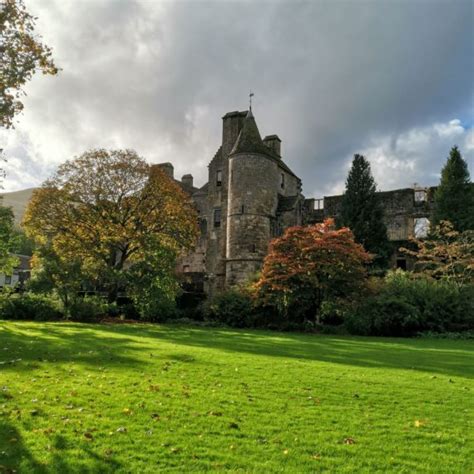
{"x":251,"y":196}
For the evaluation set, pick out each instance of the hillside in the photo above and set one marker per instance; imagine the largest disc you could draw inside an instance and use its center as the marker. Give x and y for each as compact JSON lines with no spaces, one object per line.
{"x":17,"y":200}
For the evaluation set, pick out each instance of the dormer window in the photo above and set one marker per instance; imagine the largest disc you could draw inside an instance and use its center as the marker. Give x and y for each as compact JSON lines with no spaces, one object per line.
{"x":282,"y":180}
{"x":219,"y":178}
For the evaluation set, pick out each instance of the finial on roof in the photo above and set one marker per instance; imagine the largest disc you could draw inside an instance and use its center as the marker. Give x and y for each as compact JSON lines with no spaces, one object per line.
{"x":250,"y":100}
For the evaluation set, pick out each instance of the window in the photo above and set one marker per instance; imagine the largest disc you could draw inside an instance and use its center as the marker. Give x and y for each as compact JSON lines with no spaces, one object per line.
{"x":219,"y":178}
{"x":253,"y":248}
{"x":282,"y":182}
{"x":401,"y":263}
{"x":217,"y":217}
{"x":319,"y":204}
{"x":8,"y":280}
{"x":421,"y":227}
{"x":203,"y":226}
{"x":242,"y":209}
{"x":420,"y":195}
{"x":185,"y":268}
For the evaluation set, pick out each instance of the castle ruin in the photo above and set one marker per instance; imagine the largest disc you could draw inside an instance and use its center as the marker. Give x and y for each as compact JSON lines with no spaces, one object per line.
{"x":252,"y":196}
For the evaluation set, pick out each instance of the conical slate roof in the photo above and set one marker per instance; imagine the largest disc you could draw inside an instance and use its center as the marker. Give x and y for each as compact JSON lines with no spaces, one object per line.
{"x":249,"y":139}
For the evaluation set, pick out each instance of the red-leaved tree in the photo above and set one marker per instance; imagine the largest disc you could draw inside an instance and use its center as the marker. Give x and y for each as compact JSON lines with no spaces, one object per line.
{"x":310,"y":265}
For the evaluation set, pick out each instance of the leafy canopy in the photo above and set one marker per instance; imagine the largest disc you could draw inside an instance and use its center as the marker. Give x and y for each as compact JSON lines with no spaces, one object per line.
{"x":454,"y":197}
{"x":312,"y":264}
{"x":112,"y":211}
{"x":362,"y":211}
{"x":22,"y":55}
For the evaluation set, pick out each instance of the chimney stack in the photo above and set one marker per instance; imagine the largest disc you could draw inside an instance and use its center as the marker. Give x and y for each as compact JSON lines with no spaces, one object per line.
{"x":168,"y":168}
{"x":274,"y":143}
{"x":187,"y":180}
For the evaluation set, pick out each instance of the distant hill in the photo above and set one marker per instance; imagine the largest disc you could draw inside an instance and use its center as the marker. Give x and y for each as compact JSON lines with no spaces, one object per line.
{"x":17,"y":200}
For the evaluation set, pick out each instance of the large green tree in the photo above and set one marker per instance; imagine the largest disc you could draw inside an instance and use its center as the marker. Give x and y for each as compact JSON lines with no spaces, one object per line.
{"x":454,"y":197}
{"x":22,"y":54}
{"x":113,"y":213}
{"x":362,"y":211}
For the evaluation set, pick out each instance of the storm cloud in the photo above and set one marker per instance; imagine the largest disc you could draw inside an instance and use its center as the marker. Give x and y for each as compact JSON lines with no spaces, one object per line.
{"x":391,"y":79}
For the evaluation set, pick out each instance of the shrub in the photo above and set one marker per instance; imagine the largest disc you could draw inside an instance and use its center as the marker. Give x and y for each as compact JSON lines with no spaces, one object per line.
{"x":384,"y":316}
{"x":87,"y":309}
{"x":405,"y":306}
{"x":157,"y":308}
{"x":28,"y":306}
{"x":233,"y":308}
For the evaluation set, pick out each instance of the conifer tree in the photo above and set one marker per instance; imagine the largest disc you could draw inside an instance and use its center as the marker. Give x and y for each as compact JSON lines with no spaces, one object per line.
{"x":362,"y":211}
{"x":454,"y":198}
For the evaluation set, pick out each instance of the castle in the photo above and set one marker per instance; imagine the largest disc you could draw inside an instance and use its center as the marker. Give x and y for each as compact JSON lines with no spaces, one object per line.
{"x":252,"y":196}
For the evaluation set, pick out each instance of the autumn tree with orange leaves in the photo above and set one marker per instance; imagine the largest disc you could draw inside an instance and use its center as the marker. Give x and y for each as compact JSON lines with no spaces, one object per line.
{"x":124,"y":221}
{"x":310,"y":265}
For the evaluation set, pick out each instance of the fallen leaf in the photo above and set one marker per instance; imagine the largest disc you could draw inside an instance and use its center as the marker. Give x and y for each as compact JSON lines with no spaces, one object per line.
{"x":349,"y":441}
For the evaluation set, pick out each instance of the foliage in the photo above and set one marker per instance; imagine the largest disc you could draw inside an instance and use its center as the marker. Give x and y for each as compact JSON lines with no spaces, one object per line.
{"x":137,"y":398}
{"x":22,"y":244}
{"x":111,"y":212}
{"x":153,"y":286}
{"x":29,"y":307}
{"x":405,"y":306}
{"x":87,"y":309}
{"x":362,"y":211}
{"x":454,"y":197}
{"x":51,"y":273}
{"x":7,"y":241}
{"x":22,"y":54}
{"x":446,"y":254}
{"x":311,"y":265}
{"x":233,"y":308}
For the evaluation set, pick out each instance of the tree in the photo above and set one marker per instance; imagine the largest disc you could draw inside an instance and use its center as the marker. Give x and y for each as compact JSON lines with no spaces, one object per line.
{"x":362,"y":211}
{"x":113,"y":212}
{"x":7,"y":241}
{"x":447,"y":254}
{"x":22,"y":55}
{"x":311,"y":265}
{"x":454,"y":197}
{"x":51,"y":273}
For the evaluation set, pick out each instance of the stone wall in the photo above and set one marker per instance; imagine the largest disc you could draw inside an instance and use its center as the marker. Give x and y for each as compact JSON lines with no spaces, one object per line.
{"x":252,"y":203}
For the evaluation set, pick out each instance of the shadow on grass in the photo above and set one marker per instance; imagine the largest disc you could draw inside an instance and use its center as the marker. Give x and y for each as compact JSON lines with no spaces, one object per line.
{"x":16,"y":457}
{"x":431,"y":355}
{"x":125,"y":345}
{"x":26,"y":346}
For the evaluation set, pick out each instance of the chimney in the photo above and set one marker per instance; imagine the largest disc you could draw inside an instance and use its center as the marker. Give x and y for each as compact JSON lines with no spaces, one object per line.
{"x":231,"y":125}
{"x":167,"y":168}
{"x":187,"y":180}
{"x":274,"y":143}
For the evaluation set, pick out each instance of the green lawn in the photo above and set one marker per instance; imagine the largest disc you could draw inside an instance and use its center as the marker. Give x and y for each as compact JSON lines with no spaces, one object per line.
{"x":143,"y":398}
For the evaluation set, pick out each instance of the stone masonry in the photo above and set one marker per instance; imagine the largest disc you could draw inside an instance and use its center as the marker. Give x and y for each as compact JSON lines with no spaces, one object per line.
{"x":252,"y":196}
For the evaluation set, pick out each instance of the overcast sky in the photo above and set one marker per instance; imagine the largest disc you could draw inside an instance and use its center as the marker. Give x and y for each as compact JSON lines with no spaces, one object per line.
{"x":393,"y":80}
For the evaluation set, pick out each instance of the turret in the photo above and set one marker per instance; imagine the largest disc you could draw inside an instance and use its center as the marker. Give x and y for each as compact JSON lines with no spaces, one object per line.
{"x":252,"y":201}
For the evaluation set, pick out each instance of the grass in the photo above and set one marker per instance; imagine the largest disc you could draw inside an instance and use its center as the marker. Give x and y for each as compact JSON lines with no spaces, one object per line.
{"x":143,"y":398}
